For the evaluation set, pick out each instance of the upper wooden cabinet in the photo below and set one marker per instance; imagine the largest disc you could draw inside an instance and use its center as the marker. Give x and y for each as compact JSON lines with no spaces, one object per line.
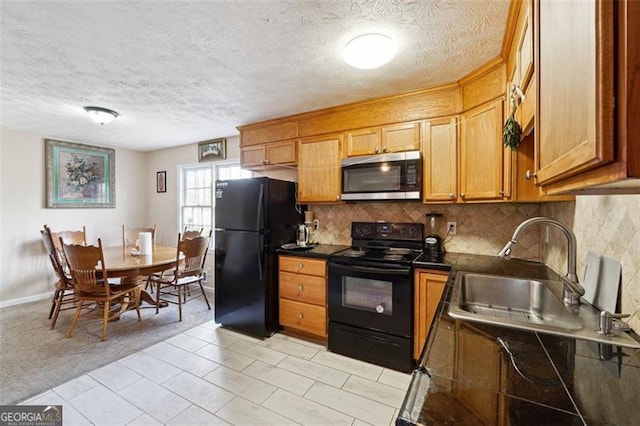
{"x":272,"y":131}
{"x":377,"y":140}
{"x":440,"y":160}
{"x":319,"y":178}
{"x":574,"y":121}
{"x":271,"y":154}
{"x":583,"y":141}
{"x":484,"y":162}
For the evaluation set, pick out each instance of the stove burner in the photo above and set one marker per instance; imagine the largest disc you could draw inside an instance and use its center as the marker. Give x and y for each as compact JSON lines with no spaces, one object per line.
{"x":354,"y":252}
{"x":393,"y":257}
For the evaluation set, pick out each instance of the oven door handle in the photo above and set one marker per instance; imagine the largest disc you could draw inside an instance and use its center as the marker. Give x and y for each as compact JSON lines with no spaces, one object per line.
{"x":381,"y":271}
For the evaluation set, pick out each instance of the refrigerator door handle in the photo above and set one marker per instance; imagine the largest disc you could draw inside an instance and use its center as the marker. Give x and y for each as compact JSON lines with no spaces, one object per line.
{"x":259,"y":221}
{"x":261,"y":256}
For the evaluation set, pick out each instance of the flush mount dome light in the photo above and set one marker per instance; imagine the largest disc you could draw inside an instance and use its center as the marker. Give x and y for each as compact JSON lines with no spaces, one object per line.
{"x":369,"y":51}
{"x":101,"y":115}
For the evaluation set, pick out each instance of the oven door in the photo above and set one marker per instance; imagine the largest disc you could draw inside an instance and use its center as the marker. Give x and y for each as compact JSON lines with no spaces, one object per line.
{"x":373,"y":297}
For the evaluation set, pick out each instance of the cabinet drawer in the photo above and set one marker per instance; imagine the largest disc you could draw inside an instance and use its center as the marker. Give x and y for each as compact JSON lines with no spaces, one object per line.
{"x":304,"y":317}
{"x":301,"y":265}
{"x":303,"y":288}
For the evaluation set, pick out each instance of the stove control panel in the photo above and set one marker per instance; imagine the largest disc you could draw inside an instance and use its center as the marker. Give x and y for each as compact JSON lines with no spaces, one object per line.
{"x":387,"y":231}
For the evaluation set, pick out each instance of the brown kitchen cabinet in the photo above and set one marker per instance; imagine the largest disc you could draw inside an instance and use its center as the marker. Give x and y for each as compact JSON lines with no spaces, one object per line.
{"x":485,"y":165}
{"x":378,"y":140}
{"x":302,"y":285}
{"x":481,"y":374}
{"x":428,"y":288}
{"x":584,"y":139}
{"x":319,"y":176}
{"x":440,"y":160}
{"x":270,"y":154}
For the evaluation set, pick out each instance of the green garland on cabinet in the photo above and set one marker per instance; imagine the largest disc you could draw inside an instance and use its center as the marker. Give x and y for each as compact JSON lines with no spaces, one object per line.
{"x":512,"y":131}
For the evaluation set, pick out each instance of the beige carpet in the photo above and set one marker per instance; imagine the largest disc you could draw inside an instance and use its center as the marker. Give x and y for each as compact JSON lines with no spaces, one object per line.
{"x":34,"y":358}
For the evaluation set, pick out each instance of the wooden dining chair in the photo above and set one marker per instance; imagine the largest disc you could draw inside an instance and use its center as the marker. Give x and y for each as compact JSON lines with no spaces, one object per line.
{"x":89,"y":280}
{"x":130,"y":236}
{"x":173,"y":287}
{"x":63,"y":295}
{"x":68,"y":237}
{"x":191,"y":233}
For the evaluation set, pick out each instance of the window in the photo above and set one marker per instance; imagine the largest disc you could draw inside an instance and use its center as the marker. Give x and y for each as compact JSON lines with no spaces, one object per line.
{"x":197,"y":188}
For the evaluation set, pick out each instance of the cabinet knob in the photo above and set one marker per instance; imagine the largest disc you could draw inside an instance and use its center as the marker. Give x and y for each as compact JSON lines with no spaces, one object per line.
{"x":462,"y":195}
{"x":376,"y":150}
{"x":300,"y":287}
{"x":529,"y":174}
{"x":384,"y":149}
{"x":300,"y":316}
{"x":452,"y":196}
{"x":300,"y":266}
{"x":337,"y":198}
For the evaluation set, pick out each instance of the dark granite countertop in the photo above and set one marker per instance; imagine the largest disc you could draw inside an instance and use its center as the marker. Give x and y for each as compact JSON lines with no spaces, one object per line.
{"x":322,"y":251}
{"x":466,"y":376}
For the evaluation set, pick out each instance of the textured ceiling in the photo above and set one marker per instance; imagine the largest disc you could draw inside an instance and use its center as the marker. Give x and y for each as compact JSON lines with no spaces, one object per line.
{"x":180,"y":72}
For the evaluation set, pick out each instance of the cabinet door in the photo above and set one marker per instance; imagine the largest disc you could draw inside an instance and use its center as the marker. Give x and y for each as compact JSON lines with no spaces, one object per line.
{"x":281,"y":153}
{"x":363,"y":142}
{"x":439,"y":160}
{"x":428,"y":288}
{"x":255,"y":155}
{"x":574,"y":72}
{"x":319,"y":170}
{"x":400,"y":137}
{"x":482,"y":153}
{"x":525,"y":51}
{"x":478,"y":370}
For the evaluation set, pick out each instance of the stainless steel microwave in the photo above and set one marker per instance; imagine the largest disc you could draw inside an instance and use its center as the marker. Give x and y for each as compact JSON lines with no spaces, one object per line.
{"x":395,"y":176}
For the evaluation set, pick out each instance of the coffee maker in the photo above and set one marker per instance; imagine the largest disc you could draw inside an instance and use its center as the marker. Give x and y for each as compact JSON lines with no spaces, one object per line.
{"x":433,"y":248}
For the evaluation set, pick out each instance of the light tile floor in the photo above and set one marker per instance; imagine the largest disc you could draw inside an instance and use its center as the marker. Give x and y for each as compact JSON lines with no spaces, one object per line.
{"x":209,"y":375}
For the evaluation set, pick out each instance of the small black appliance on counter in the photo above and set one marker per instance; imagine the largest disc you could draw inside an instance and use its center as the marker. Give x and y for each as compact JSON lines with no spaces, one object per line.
{"x":433,"y":248}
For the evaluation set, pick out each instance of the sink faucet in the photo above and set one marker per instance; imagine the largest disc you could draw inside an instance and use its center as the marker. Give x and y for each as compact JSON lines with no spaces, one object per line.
{"x":572,"y":288}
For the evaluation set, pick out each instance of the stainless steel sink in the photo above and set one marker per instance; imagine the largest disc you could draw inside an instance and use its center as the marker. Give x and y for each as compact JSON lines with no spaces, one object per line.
{"x":528,"y":304}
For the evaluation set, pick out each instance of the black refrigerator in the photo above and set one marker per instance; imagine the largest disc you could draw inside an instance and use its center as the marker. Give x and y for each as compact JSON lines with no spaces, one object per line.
{"x":253,"y":217}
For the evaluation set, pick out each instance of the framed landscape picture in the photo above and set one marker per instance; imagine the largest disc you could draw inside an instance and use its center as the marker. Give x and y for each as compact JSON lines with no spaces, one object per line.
{"x":212,"y":150}
{"x":79,"y":176}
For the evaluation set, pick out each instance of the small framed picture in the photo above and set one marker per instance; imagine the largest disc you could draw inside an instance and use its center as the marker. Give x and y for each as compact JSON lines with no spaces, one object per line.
{"x":161,"y":181}
{"x":212,"y":150}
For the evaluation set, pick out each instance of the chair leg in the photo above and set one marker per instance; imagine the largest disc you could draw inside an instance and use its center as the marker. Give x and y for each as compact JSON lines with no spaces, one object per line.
{"x":179,"y":303}
{"x":204,"y":295}
{"x":75,"y":319}
{"x":53,"y":302}
{"x":56,"y":311}
{"x":105,"y":319}
{"x":158,"y":285}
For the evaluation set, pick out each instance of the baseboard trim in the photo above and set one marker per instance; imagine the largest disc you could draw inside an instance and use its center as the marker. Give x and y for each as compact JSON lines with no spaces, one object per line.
{"x":21,"y":300}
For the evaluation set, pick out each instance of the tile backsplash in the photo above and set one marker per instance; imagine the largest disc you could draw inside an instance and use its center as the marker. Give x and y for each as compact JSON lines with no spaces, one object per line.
{"x":481,"y":228}
{"x":607,"y":225}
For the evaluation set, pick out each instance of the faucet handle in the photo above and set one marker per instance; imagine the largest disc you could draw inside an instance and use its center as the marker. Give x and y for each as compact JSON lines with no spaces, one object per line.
{"x":608,"y":322}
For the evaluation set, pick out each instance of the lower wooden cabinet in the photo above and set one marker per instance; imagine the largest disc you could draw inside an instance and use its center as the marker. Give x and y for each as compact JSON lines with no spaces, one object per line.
{"x":428,"y":288}
{"x":302,"y":285}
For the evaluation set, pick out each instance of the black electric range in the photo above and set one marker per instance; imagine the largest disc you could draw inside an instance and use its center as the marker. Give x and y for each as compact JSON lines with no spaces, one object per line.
{"x":370,"y":290}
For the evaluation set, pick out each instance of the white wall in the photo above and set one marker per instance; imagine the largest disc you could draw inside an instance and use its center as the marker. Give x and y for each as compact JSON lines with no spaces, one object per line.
{"x":25,"y":271}
{"x":163,"y":207}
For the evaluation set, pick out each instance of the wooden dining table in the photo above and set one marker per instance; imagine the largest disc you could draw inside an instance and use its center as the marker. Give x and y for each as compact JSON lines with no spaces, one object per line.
{"x":133,"y":268}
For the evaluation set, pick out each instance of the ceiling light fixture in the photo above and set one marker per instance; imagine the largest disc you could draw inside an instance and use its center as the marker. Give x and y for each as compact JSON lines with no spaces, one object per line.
{"x":369,"y":51}
{"x":100,"y":115}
